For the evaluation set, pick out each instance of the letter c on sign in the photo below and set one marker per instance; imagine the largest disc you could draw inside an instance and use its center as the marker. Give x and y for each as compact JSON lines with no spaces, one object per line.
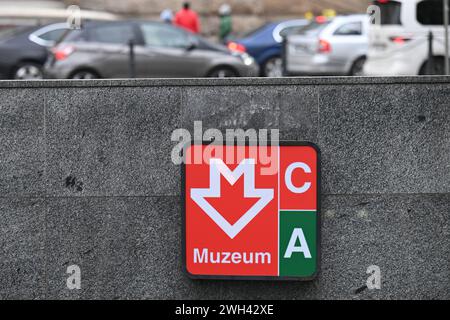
{"x":288,"y":177}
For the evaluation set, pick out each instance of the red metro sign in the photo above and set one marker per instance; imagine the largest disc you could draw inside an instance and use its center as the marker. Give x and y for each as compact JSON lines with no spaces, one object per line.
{"x":255,"y":216}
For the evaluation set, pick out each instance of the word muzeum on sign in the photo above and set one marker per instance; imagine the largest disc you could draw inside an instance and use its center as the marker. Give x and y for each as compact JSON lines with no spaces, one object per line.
{"x":252,"y":211}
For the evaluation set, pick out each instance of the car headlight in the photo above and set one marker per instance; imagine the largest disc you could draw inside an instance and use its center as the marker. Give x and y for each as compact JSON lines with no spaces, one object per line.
{"x":247,"y":59}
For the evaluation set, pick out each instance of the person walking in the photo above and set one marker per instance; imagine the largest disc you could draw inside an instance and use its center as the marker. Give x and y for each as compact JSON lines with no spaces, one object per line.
{"x":187,"y":19}
{"x":166,"y":16}
{"x":225,"y":27}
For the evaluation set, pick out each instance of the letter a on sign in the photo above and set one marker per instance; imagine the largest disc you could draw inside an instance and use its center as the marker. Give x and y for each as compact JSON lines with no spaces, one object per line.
{"x":251,"y":212}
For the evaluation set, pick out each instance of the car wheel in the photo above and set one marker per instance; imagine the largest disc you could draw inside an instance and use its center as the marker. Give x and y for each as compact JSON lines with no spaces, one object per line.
{"x":28,"y":71}
{"x":223,"y":72}
{"x":438,"y":67}
{"x":273,"y":67}
{"x":84,"y":74}
{"x":357,"y":69}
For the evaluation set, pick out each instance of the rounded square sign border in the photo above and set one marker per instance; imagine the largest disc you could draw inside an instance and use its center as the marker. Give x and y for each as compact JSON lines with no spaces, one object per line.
{"x":256,"y":278}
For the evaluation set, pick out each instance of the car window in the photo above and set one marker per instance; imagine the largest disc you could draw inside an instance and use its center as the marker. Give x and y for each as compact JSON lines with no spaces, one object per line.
{"x":53,"y":35}
{"x":313,"y":28}
{"x":74,"y":36}
{"x":113,"y":34}
{"x":431,"y":12}
{"x":164,"y":36}
{"x":390,"y":12}
{"x":349,"y":29}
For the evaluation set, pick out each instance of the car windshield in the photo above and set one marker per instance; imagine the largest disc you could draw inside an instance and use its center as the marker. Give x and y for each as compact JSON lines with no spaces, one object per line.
{"x":313,"y":28}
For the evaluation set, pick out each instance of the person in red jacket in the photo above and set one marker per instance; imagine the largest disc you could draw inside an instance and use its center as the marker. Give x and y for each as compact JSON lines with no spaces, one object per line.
{"x":187,"y":19}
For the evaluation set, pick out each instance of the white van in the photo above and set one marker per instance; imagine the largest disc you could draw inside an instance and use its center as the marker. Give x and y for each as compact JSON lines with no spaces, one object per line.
{"x":398,"y":45}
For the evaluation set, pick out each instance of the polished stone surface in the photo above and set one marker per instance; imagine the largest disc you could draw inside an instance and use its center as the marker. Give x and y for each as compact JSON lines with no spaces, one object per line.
{"x":86,"y":178}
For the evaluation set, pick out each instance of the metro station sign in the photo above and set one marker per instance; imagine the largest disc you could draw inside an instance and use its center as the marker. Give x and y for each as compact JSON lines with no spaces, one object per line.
{"x":252,"y":212}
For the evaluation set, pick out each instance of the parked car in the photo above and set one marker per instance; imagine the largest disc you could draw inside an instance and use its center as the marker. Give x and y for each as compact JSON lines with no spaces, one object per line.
{"x":23,"y":50}
{"x":101,"y":50}
{"x":265,"y":44}
{"x":398,"y":46}
{"x":332,"y":47}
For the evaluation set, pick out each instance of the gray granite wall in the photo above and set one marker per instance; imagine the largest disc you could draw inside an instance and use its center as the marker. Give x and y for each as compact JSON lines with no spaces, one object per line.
{"x":86,"y":178}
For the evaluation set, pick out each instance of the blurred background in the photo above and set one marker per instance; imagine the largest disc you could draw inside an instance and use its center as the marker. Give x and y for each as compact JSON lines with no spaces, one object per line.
{"x":247,"y":14}
{"x":86,"y":39}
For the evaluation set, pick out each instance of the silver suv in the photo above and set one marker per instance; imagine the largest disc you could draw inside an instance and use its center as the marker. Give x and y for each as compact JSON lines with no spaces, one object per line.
{"x":329,"y":47}
{"x":101,"y":50}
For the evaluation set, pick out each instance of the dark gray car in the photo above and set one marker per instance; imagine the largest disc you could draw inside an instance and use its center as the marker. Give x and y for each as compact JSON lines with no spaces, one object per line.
{"x":101,"y":50}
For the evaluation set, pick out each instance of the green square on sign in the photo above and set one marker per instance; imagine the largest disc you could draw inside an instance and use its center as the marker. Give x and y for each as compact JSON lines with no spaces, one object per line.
{"x":298,"y":243}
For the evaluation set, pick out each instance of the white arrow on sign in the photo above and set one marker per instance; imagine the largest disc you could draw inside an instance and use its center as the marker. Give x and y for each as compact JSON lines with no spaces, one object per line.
{"x":246,"y":168}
